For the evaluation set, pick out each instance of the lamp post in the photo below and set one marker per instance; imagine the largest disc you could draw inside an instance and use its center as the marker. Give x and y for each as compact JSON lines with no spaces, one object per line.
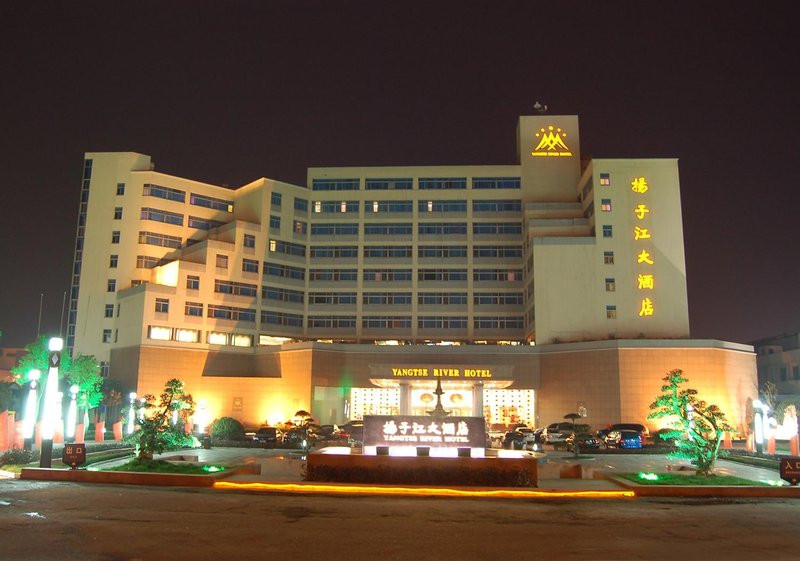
{"x":761,"y":424}
{"x":51,"y":405}
{"x":131,"y":412}
{"x":72,"y":412}
{"x":31,"y":409}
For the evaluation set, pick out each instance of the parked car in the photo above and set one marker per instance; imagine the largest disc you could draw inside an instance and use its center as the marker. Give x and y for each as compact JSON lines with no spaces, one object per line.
{"x":641,"y":429}
{"x":353,"y":431}
{"x":299,"y":437}
{"x":497,"y":432}
{"x":623,"y":439}
{"x":269,"y":435}
{"x":556,"y":433}
{"x":514,"y":440}
{"x":585,"y":441}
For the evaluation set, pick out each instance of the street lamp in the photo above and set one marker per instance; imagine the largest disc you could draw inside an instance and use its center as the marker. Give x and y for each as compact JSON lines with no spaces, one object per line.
{"x":51,"y":405}
{"x":761,"y":424}
{"x":72,"y":413}
{"x":31,"y":409}
{"x":131,"y":413}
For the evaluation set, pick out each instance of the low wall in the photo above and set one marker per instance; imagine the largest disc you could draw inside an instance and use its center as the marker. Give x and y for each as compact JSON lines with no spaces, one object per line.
{"x":355,"y":468}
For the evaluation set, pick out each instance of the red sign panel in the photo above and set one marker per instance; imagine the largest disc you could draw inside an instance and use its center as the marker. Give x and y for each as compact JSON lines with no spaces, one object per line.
{"x":790,"y":469}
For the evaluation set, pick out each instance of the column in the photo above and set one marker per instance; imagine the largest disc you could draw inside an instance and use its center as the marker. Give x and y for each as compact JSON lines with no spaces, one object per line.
{"x":405,"y":398}
{"x":477,"y":399}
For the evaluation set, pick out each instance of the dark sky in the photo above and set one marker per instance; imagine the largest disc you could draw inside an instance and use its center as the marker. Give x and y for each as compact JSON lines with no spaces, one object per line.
{"x":227,"y":92}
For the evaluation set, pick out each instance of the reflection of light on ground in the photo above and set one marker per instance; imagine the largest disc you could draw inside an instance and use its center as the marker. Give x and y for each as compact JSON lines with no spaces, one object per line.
{"x":417,"y":491}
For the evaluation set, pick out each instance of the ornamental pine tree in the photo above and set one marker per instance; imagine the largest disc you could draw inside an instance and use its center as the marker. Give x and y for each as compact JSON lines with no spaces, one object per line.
{"x":156,"y":430}
{"x":697,"y":427}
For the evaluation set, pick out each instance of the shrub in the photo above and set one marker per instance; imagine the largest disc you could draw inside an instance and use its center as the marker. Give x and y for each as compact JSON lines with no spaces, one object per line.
{"x":18,"y":456}
{"x":227,"y":428}
{"x":664,"y":437}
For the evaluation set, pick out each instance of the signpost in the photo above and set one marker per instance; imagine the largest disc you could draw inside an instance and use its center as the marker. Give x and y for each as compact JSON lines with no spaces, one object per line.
{"x":74,"y":454}
{"x":790,"y":469}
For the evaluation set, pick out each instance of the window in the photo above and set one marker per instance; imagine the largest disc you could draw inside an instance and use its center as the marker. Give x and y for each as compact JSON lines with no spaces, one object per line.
{"x":222,"y":261}
{"x":194,"y":309}
{"x":204,"y":223}
{"x":192,"y":282}
{"x":497,"y":228}
{"x":783,"y":373}
{"x":146,"y":262}
{"x":161,"y":240}
{"x":282,"y":294}
{"x":211,"y":202}
{"x":497,"y":251}
{"x":120,"y":188}
{"x":277,"y":318}
{"x":112,"y":285}
{"x":444,"y":228}
{"x":249,"y":240}
{"x":107,"y":335}
{"x":388,"y":184}
{"x":387,"y":229}
{"x":496,"y":183}
{"x":114,"y":237}
{"x":164,"y":216}
{"x":330,"y":207}
{"x":442,"y":251}
{"x":334,"y":322}
{"x":796,"y":372}
{"x":386,"y":322}
{"x":162,"y":305}
{"x":438,"y":322}
{"x":608,"y":257}
{"x":113,"y":261}
{"x":249,"y":265}
{"x":278,"y":246}
{"x":443,"y":183}
{"x":275,"y":199}
{"x":611,"y":312}
{"x":118,"y":213}
{"x":151,"y":190}
{"x":235,"y":288}
{"x":497,"y":206}
{"x":387,"y":275}
{"x":299,"y":227}
{"x":109,"y":311}
{"x":231,"y":313}
{"x":498,"y":298}
{"x":338,"y":298}
{"x":442,"y":298}
{"x":334,"y":229}
{"x":104,"y":368}
{"x":608,"y":231}
{"x":388,"y":251}
{"x":442,"y":206}
{"x":605,"y":179}
{"x":605,"y":205}
{"x":300,"y":204}
{"x":284,"y":271}
{"x":499,"y":322}
{"x":333,"y":275}
{"x":387,"y":298}
{"x":159,"y":333}
{"x":442,"y":275}
{"x":335,"y":184}
{"x":334,"y":251}
{"x":611,"y":285}
{"x":275,"y":222}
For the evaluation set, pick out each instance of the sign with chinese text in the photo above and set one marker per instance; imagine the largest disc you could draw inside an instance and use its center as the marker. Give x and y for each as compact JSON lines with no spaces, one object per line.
{"x":790,"y":469}
{"x":74,"y":454}
{"x":642,"y":234}
{"x":413,"y":430}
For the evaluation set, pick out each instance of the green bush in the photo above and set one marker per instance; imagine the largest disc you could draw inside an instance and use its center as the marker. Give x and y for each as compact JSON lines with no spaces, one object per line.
{"x":18,"y":457}
{"x":227,"y":428}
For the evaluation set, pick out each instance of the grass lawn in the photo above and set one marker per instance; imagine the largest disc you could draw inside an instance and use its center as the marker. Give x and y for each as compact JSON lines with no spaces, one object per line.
{"x":161,"y":466}
{"x":692,"y":480}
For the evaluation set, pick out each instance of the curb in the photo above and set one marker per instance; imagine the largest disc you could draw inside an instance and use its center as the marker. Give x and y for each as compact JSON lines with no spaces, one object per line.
{"x":705,"y":491}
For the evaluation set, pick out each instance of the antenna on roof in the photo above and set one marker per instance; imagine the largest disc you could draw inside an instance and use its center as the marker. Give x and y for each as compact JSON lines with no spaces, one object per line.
{"x":541,"y":109}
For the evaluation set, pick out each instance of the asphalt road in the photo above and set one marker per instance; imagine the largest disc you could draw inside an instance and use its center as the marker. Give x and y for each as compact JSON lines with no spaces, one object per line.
{"x":66,"y":521}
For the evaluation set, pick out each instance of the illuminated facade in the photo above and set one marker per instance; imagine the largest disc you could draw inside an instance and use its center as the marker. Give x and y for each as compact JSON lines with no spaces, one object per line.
{"x":445,"y":272}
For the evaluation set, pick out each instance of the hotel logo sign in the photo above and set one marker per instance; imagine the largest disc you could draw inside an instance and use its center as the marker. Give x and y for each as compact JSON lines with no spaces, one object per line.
{"x":551,"y":142}
{"x":409,"y":430}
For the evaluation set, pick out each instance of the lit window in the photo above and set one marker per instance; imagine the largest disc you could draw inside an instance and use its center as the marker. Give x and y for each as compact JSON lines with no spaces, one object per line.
{"x":159,"y":333}
{"x":106,"y":336}
{"x":162,"y":305}
{"x":300,"y":227}
{"x":112,"y":262}
{"x":242,"y":340}
{"x":605,"y":179}
{"x":611,"y":312}
{"x":222,"y":261}
{"x":608,"y":231}
{"x":217,"y":338}
{"x":114,"y":237}
{"x":608,"y":257}
{"x":109,"y":311}
{"x":187,"y":335}
{"x":611,"y":285}
{"x":605,"y":205}
{"x":118,"y":213}
{"x":192,"y":282}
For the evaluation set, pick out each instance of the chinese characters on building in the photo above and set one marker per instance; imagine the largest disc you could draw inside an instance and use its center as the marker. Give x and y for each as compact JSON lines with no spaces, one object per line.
{"x":642,"y":236}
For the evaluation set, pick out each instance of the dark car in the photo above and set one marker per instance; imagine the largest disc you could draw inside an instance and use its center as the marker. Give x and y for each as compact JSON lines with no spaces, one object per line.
{"x":299,"y":437}
{"x":641,"y":429}
{"x":623,"y":439}
{"x":514,"y":440}
{"x":585,"y":442}
{"x":269,"y":435}
{"x":353,"y":432}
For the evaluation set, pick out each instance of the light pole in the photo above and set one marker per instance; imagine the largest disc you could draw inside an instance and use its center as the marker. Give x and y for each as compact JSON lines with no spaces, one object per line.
{"x":131,"y":412}
{"x":31,"y":409}
{"x":72,"y":412}
{"x":51,"y":405}
{"x":761,"y":424}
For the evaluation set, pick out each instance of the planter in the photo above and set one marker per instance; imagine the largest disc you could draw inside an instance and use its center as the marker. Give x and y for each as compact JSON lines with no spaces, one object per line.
{"x":117,"y":428}
{"x":100,"y":431}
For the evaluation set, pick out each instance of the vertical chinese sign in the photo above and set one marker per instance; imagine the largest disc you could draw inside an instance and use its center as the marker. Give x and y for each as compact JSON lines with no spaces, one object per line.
{"x":643,"y":236}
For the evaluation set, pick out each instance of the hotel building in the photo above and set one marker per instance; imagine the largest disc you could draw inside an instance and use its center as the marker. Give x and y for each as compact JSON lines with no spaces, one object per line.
{"x":531,"y":290}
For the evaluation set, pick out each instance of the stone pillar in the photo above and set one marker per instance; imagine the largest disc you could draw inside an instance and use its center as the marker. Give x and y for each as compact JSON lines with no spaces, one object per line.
{"x":771,"y":445}
{"x":405,"y":398}
{"x":794,"y":446}
{"x":477,"y":399}
{"x":99,"y":431}
{"x":117,"y":428}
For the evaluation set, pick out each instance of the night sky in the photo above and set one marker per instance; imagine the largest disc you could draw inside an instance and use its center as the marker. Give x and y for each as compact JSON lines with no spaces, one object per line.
{"x":227,"y":92}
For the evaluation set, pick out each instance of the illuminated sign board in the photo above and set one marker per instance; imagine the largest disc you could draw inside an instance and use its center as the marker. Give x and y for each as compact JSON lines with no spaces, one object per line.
{"x":551,"y":142}
{"x":790,"y":469}
{"x":439,"y":372}
{"x":411,"y":430}
{"x":642,"y":235}
{"x":74,"y":454}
